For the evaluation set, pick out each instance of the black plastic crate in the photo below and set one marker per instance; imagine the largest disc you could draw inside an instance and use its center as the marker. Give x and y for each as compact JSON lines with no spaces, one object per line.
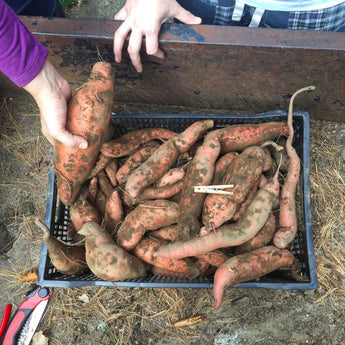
{"x":57,"y":215}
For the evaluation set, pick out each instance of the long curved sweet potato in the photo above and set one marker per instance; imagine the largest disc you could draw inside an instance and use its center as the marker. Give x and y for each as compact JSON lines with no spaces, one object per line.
{"x":199,"y":173}
{"x":105,"y":259}
{"x":238,"y":137}
{"x":229,"y":235}
{"x":164,"y":158}
{"x":66,"y":258}
{"x":150,"y":215}
{"x":287,"y":213}
{"x":126,"y":144}
{"x":88,"y":115}
{"x":243,"y":172}
{"x":249,"y":266}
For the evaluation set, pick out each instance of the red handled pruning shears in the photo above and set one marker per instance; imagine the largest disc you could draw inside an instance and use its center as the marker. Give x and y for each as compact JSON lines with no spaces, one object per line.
{"x":25,"y":320}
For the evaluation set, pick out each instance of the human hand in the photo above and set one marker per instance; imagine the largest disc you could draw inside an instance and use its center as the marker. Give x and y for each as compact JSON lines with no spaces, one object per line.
{"x":144,"y":18}
{"x":51,"y":93}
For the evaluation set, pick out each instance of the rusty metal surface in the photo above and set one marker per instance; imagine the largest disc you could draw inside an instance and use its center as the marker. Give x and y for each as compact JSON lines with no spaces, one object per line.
{"x":245,"y":70}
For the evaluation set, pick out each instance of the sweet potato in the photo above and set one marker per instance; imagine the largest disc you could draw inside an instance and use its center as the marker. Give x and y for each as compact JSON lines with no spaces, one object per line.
{"x":221,"y":167}
{"x":199,"y":173}
{"x":238,"y":137}
{"x":161,"y":272}
{"x":110,"y":170}
{"x":170,"y":177}
{"x":214,"y":258}
{"x":261,"y":239}
{"x":113,"y":212}
{"x":66,"y":258}
{"x":166,"y":192}
{"x":164,"y":158}
{"x":229,"y":235}
{"x":126,"y":144}
{"x":93,"y":188}
{"x":287,"y":213}
{"x":105,"y":259}
{"x":246,"y":202}
{"x":101,"y":201}
{"x":146,"y":248}
{"x":249,"y":266}
{"x":88,"y":115}
{"x":101,"y":163}
{"x":105,"y":184}
{"x":168,"y":233}
{"x":243,"y":171}
{"x":83,"y":210}
{"x":134,"y":161}
{"x":151,"y":215}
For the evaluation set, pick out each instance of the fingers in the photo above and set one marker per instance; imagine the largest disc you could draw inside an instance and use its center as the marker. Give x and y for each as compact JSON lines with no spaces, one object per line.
{"x":119,"y":39}
{"x":187,"y":17}
{"x":64,"y":137}
{"x":152,"y":46}
{"x":134,"y":47}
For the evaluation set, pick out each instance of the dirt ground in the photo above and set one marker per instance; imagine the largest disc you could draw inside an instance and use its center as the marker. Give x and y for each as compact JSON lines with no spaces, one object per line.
{"x":102,"y":315}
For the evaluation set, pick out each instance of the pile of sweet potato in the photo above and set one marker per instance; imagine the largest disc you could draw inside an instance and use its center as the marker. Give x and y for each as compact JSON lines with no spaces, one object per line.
{"x":135,"y":211}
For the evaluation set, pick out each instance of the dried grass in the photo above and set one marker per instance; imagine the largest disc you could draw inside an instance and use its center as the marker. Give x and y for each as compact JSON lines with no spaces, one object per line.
{"x":328,"y":210}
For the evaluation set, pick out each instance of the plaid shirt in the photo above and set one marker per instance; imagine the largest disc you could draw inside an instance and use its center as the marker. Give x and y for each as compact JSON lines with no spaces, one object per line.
{"x":328,"y":19}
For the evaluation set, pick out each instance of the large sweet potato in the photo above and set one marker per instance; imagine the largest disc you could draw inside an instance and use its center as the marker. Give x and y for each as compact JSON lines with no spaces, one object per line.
{"x":105,"y":259}
{"x":88,"y":115}
{"x":249,"y":266}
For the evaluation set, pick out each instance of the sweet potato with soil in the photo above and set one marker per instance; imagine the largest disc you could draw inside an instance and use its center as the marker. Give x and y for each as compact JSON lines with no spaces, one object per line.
{"x":172,"y":176}
{"x":214,"y":258}
{"x":146,"y":248}
{"x":287,"y":213}
{"x":83,"y":210}
{"x":134,"y":161}
{"x":88,"y":115}
{"x":221,"y":167}
{"x":166,"y":192}
{"x":151,"y":215}
{"x":105,"y":259}
{"x":239,"y":137}
{"x":168,"y":233}
{"x":93,"y":188}
{"x":229,"y":235}
{"x":199,"y":173}
{"x":243,"y":172}
{"x":105,"y":184}
{"x":161,"y":272}
{"x":113,"y":212}
{"x":249,"y":266}
{"x":164,"y":158}
{"x":261,"y":239}
{"x":66,"y":258}
{"x":126,"y":144}
{"x":110,"y":170}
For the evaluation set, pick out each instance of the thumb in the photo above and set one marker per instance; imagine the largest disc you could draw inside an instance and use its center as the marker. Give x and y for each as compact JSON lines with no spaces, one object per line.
{"x":187,"y":17}
{"x":71,"y":140}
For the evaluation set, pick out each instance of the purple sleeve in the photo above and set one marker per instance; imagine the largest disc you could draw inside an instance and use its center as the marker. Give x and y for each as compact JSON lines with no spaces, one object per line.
{"x":21,"y":55}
